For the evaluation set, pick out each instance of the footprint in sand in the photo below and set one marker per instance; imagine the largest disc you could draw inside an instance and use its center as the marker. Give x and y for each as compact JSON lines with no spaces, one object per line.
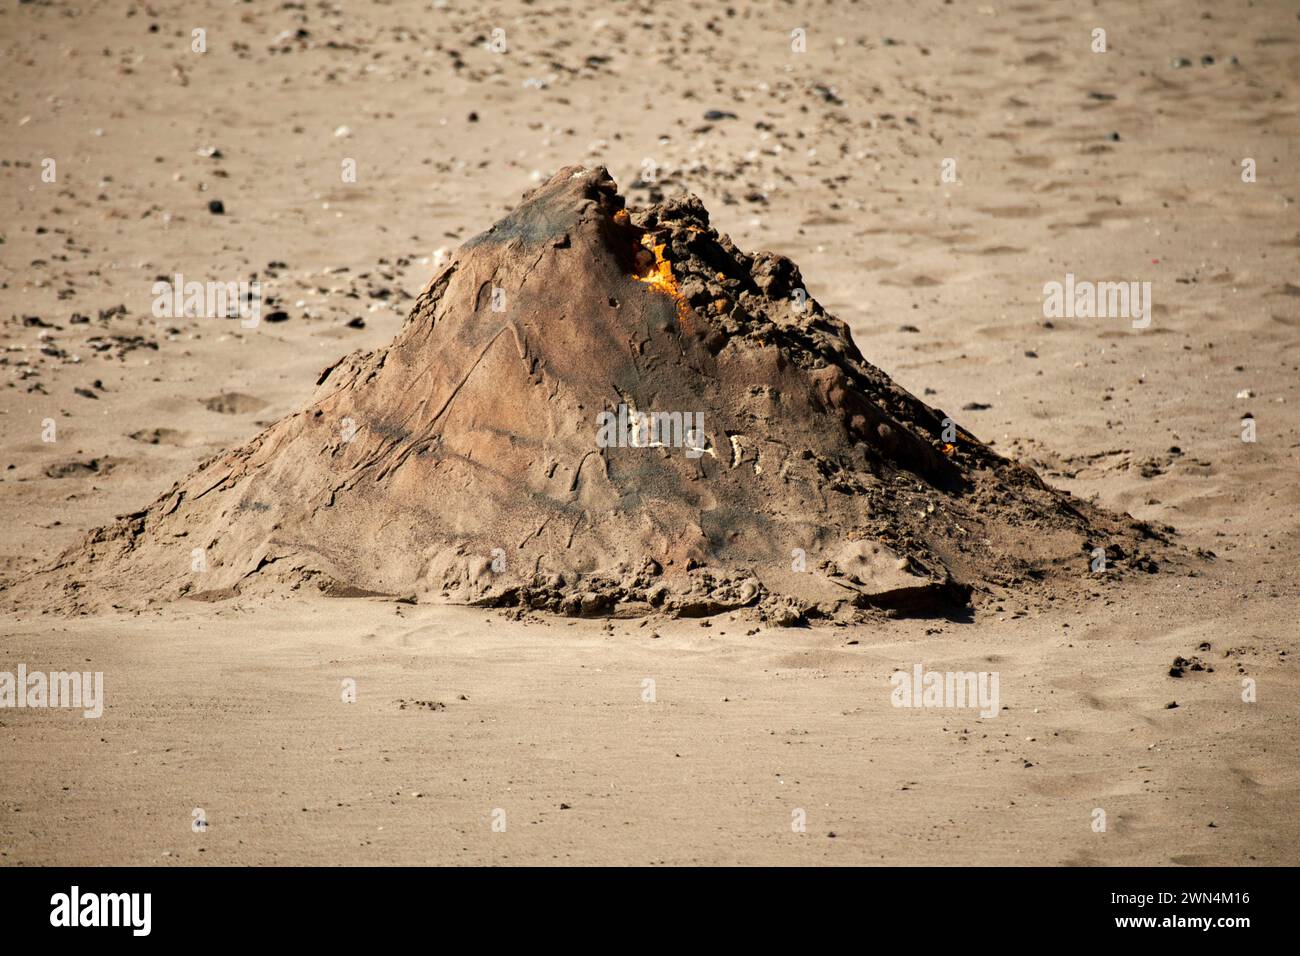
{"x":919,"y":281}
{"x":1034,"y":161}
{"x":233,"y":403}
{"x":1012,"y":212}
{"x":162,"y":436}
{"x":81,"y":469}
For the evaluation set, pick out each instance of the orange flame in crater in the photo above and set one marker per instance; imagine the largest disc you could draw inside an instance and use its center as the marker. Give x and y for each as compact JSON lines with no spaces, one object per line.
{"x":659,"y":275}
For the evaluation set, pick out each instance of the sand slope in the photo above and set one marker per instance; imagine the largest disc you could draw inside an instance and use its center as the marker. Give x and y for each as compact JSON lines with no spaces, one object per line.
{"x":601,"y":411}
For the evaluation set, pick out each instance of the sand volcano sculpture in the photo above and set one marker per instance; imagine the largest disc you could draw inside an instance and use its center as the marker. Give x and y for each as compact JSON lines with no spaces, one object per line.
{"x":599,"y":410}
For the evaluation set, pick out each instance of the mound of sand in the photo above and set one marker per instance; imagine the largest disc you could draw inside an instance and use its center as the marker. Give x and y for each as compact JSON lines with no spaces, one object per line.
{"x":598,"y":410}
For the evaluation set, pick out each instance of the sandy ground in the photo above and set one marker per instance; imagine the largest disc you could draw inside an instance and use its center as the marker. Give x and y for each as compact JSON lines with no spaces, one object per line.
{"x":833,"y":158}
